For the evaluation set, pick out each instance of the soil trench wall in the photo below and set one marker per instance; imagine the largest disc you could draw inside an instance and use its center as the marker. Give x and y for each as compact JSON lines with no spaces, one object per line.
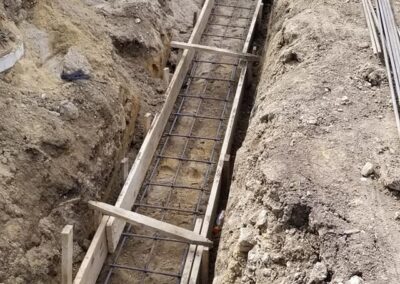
{"x":299,"y":210}
{"x":61,"y":142}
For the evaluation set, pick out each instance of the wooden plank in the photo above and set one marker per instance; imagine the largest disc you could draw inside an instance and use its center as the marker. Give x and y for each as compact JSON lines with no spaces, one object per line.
{"x":196,"y":265}
{"x":139,"y":219}
{"x":217,"y":50}
{"x":166,"y":76}
{"x":225,"y":149}
{"x":125,"y":168}
{"x":143,"y":160}
{"x":95,"y":256}
{"x":205,"y":263}
{"x":190,"y":256}
{"x":148,"y":120}
{"x":67,"y":249}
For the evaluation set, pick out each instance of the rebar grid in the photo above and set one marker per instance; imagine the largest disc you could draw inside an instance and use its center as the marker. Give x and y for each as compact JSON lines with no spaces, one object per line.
{"x":187,"y":97}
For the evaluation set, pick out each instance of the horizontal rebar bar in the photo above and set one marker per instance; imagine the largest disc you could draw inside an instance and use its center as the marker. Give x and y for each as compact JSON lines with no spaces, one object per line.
{"x":185,"y":159}
{"x":193,"y":137}
{"x":212,"y":79}
{"x":155,"y":238}
{"x":199,"y":116}
{"x":232,"y":6}
{"x":205,"y":98}
{"x":223,"y":36}
{"x":169,"y":208}
{"x":145,"y":270}
{"x":173,"y":185}
{"x":214,"y":62}
{"x":228,"y":16}
{"x":227,"y":26}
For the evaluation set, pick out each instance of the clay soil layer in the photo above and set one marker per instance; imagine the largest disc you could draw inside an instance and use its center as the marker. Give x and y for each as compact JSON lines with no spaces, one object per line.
{"x":299,"y":209}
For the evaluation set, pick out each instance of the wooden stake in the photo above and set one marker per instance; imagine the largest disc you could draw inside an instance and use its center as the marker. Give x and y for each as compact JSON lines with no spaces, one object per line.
{"x":67,"y":243}
{"x":226,"y":172}
{"x":148,"y":120}
{"x":194,"y":18}
{"x":191,"y":254}
{"x":260,"y":14}
{"x":125,"y":168}
{"x":166,"y":76}
{"x":205,"y":262}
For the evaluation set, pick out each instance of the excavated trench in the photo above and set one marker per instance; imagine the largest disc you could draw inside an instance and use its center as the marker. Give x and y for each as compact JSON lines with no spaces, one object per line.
{"x":315,"y":110}
{"x":176,"y":189}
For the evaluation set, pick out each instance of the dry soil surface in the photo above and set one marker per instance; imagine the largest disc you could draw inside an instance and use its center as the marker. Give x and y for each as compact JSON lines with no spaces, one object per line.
{"x":61,"y":142}
{"x":299,"y":209}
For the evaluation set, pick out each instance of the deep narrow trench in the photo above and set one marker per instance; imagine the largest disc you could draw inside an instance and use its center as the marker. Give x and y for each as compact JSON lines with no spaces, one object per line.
{"x":246,"y":107}
{"x":159,"y":178}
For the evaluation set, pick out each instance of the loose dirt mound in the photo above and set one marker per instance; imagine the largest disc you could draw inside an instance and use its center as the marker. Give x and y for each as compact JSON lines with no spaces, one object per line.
{"x":61,"y":142}
{"x":300,"y":211}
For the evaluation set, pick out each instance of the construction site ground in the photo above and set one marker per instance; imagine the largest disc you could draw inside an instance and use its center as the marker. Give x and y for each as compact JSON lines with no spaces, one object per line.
{"x":298,"y":207}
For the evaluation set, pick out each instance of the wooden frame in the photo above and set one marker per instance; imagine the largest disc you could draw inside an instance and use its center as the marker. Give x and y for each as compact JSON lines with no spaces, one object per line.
{"x":110,"y":229}
{"x":191,"y":254}
{"x":202,"y":252}
{"x":217,"y":50}
{"x":67,"y":250}
{"x":143,"y":160}
{"x":139,"y":219}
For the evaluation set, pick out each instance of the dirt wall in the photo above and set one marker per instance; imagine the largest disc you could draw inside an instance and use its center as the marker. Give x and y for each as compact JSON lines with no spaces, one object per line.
{"x":61,"y":142}
{"x":299,"y":209}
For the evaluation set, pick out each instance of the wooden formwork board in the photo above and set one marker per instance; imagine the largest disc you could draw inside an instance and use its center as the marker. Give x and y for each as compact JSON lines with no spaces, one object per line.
{"x":154,"y":224}
{"x":202,"y":253}
{"x":110,"y":229}
{"x":215,"y":50}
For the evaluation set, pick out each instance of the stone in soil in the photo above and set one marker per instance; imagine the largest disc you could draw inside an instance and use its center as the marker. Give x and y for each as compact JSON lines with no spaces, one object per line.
{"x":368,"y":169}
{"x":318,"y":274}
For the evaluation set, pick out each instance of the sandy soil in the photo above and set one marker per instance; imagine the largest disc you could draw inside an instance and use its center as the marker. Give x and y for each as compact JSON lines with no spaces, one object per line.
{"x":299,"y":210}
{"x":61,"y":143}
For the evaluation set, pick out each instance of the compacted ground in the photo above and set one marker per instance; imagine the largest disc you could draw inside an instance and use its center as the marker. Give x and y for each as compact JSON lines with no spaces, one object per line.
{"x":299,"y":209}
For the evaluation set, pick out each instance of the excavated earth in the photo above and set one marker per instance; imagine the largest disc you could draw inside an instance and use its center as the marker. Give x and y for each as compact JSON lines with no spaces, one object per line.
{"x":299,"y":209}
{"x":61,"y":142}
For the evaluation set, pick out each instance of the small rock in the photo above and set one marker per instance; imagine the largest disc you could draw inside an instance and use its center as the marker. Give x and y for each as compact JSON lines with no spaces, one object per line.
{"x":4,"y":160}
{"x":262,"y":219}
{"x":340,"y":110}
{"x":74,"y":61}
{"x":397,"y":215}
{"x":363,"y":45}
{"x":368,"y":169}
{"x":351,"y":232}
{"x":138,"y":21}
{"x":318,"y":274}
{"x":68,"y":110}
{"x":246,"y":240}
{"x":355,"y":280}
{"x":345,"y":100}
{"x":390,"y":176}
{"x":312,"y":121}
